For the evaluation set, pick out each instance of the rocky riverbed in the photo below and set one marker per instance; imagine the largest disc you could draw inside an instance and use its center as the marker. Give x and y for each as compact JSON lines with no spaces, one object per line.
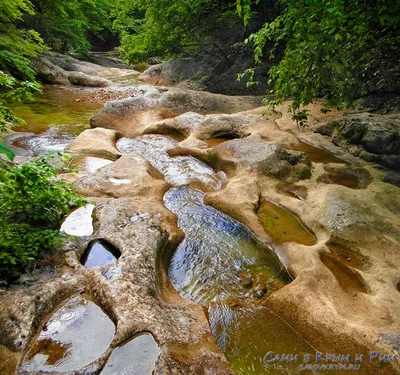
{"x":219,"y":236}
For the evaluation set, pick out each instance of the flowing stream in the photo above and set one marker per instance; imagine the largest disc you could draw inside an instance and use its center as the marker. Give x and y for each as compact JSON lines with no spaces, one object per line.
{"x":220,"y":264}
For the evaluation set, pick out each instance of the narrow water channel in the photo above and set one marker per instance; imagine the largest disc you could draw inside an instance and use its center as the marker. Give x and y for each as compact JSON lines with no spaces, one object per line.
{"x":220,"y":264}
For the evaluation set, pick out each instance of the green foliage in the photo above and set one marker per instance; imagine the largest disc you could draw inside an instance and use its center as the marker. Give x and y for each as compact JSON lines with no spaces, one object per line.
{"x":33,"y":201}
{"x":150,"y":28}
{"x":17,"y":46}
{"x":6,"y":151}
{"x":244,"y":9}
{"x":67,"y":25}
{"x":332,"y":49}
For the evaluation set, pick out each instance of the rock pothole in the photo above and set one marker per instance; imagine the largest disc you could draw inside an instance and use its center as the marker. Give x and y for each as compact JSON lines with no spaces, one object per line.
{"x":347,"y":256}
{"x":79,"y":222}
{"x":99,"y":253}
{"x":353,"y":178}
{"x":70,"y":339}
{"x":282,"y":226}
{"x":349,"y":280}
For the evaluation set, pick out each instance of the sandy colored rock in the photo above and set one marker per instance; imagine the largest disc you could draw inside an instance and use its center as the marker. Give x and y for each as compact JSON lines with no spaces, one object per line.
{"x":56,"y":68}
{"x":266,"y":158}
{"x":224,"y":126}
{"x":83,"y":79}
{"x":129,"y":176}
{"x":134,"y":292}
{"x":96,"y":142}
{"x":127,"y":115}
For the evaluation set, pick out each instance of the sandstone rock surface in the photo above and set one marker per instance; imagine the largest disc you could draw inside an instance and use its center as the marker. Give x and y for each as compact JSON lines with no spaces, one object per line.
{"x":127,"y":115}
{"x":96,"y":142}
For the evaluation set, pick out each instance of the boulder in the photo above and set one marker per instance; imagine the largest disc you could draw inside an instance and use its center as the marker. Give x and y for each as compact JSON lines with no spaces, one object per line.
{"x":48,"y":72}
{"x":210,"y":72}
{"x":155,"y":104}
{"x":83,"y":79}
{"x":129,"y":176}
{"x":96,"y":142}
{"x":266,"y":158}
{"x":375,"y":138}
{"x":56,"y":68}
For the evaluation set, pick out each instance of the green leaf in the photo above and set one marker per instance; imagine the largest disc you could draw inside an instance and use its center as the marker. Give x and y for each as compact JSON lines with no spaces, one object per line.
{"x":5,"y":150}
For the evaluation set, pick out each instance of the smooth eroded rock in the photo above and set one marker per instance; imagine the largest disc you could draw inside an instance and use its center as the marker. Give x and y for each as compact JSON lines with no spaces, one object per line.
{"x":127,"y":115}
{"x":267,"y":158}
{"x":96,"y":142}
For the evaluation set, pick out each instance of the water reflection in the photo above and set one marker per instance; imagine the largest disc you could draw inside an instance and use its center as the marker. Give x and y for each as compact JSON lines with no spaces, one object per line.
{"x":249,"y":335}
{"x":136,"y":357}
{"x":99,"y":253}
{"x":221,"y":265}
{"x":70,"y":339}
{"x":79,"y":222}
{"x":219,"y":257}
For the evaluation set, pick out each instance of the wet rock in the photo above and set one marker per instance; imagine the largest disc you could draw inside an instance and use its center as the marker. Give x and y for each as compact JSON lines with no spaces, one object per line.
{"x":54,"y":139}
{"x":141,"y":302}
{"x":129,"y":176}
{"x":207,"y":264}
{"x":179,"y":170}
{"x":375,"y":138}
{"x":267,"y":158}
{"x":353,"y":178}
{"x":82,"y":79}
{"x":127,"y":115}
{"x":135,"y":292}
{"x":96,"y":142}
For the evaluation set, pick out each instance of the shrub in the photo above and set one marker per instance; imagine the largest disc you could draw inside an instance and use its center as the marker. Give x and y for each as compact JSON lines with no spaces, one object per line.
{"x":33,"y":200}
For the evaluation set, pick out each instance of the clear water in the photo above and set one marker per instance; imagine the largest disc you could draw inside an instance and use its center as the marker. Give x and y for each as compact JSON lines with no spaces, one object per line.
{"x":99,"y":253}
{"x":177,"y":171}
{"x":136,"y":357}
{"x":221,"y":265}
{"x":70,"y":339}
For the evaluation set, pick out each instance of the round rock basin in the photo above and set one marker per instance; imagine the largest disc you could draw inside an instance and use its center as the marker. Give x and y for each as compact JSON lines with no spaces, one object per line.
{"x":136,"y":357}
{"x":219,"y":258}
{"x":99,"y":253}
{"x":76,"y":335}
{"x":282,"y":226}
